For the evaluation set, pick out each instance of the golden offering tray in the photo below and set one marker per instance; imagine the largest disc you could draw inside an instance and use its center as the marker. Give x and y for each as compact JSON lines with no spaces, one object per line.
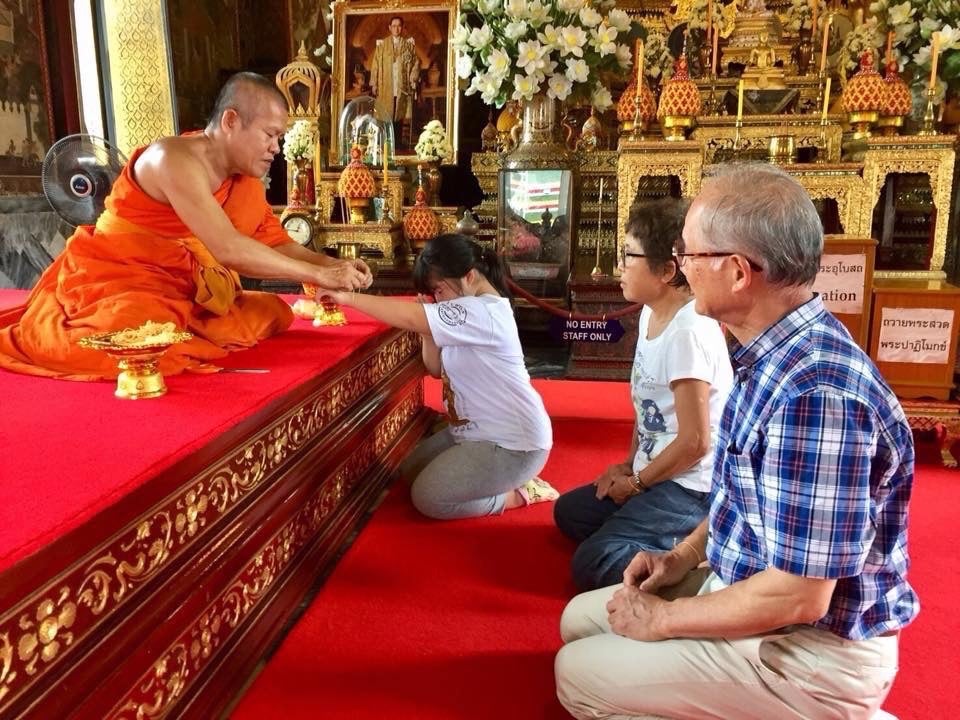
{"x":139,"y":376}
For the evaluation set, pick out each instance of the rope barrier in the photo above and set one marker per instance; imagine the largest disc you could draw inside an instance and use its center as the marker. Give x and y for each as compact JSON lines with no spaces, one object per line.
{"x":569,"y":315}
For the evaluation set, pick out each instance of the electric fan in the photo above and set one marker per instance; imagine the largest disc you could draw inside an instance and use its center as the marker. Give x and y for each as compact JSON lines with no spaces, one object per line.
{"x":78,"y":172}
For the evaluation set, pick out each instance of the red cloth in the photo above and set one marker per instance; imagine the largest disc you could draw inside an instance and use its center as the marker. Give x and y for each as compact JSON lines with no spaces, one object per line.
{"x":110,"y":279}
{"x":70,"y":450}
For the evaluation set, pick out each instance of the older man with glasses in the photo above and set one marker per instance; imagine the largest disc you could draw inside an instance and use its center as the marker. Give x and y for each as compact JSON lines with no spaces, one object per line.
{"x":788,"y":600}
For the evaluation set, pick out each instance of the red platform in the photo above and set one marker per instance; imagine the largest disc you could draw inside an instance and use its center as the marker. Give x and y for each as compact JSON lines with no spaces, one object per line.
{"x":151,"y":550}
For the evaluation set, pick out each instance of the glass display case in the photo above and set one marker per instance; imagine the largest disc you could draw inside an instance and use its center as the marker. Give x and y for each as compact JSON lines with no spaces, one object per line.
{"x":536,"y":233}
{"x":360,"y":124}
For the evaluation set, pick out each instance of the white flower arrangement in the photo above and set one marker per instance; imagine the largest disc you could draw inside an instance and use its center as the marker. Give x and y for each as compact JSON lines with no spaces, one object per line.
{"x":865,"y":36}
{"x":324,"y":54}
{"x":515,"y":49}
{"x":298,"y":142}
{"x":432,"y":144}
{"x":800,"y":15}
{"x":913,"y":23}
{"x":657,"y":56}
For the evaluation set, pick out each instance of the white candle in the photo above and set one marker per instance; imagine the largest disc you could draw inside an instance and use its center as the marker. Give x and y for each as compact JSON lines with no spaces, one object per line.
{"x":826,"y":100}
{"x":934,"y":54}
{"x":740,"y":101}
{"x":823,"y":48}
{"x":599,"y":216}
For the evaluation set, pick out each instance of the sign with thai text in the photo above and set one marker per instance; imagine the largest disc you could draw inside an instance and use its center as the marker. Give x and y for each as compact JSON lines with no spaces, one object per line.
{"x":915,"y":335}
{"x":840,"y":283}
{"x":598,"y":331}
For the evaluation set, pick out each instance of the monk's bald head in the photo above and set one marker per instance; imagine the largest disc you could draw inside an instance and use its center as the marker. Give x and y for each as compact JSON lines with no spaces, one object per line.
{"x":246,"y":93}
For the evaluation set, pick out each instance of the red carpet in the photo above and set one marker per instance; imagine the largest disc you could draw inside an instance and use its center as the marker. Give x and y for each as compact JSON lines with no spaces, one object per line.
{"x":428,"y":620}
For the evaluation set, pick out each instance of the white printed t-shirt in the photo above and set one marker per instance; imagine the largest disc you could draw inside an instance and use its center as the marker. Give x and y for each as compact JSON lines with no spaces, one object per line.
{"x":492,"y":398}
{"x":690,"y":347}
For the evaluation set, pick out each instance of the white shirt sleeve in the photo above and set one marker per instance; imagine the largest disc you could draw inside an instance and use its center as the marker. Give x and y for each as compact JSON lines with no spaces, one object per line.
{"x":464,"y":321}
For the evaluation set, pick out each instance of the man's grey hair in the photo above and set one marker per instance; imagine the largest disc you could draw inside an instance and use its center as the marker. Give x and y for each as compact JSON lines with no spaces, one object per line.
{"x":761,"y":211}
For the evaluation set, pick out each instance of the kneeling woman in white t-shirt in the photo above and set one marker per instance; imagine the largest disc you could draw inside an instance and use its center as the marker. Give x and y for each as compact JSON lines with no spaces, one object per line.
{"x":680,"y":381}
{"x":499,"y":436}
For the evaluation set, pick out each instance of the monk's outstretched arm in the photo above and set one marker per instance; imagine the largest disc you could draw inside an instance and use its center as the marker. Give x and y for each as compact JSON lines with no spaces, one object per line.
{"x":299,"y":252}
{"x":184,"y":184}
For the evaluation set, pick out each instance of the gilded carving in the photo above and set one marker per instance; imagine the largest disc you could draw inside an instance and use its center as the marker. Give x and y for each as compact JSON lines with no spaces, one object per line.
{"x":139,"y":73}
{"x":36,"y":634}
{"x":931,"y":156}
{"x":158,"y":690}
{"x":651,"y":158}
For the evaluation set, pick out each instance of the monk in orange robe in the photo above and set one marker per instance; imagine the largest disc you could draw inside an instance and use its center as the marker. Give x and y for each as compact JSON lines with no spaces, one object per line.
{"x":185,"y":217}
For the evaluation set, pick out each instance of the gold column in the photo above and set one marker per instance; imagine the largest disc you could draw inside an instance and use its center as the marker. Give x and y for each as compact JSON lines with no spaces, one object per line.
{"x":140,"y":93}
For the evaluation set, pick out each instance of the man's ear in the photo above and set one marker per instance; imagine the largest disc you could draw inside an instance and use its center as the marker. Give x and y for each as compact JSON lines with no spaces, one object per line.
{"x":230,"y":120}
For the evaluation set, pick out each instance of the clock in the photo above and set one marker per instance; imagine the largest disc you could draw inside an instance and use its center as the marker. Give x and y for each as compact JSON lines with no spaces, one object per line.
{"x":299,"y":227}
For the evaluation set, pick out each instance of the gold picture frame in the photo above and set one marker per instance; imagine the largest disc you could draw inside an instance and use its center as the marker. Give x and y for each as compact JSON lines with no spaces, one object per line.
{"x":357,"y":26}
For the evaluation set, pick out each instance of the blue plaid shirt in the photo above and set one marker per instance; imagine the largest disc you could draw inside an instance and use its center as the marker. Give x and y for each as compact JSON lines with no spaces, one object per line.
{"x":815,"y":462}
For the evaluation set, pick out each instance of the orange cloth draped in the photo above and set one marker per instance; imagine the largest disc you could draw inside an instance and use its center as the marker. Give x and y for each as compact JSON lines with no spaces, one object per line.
{"x":141,"y":263}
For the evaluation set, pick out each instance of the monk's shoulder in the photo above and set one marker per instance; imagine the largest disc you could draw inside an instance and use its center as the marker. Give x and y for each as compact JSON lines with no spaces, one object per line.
{"x":168,"y":159}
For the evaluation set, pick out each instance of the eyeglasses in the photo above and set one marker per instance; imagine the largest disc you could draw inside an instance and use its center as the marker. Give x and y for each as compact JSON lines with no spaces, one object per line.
{"x":682,"y":258}
{"x":624,"y":255}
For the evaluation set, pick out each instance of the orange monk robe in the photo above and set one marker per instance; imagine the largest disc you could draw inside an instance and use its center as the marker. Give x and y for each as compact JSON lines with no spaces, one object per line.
{"x":141,"y":263}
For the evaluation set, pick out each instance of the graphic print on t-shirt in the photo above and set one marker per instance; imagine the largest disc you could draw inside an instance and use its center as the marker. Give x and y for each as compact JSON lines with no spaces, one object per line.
{"x":452,"y":314}
{"x":652,"y":425}
{"x":451,"y":404}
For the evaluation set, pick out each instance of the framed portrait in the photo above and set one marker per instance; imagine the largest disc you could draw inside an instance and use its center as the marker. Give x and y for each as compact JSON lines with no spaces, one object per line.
{"x":400,"y":54}
{"x":26,"y":112}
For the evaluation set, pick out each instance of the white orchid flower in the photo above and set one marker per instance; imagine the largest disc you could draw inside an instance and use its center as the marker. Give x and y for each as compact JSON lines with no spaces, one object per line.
{"x":600,"y":98}
{"x":590,"y":17}
{"x":549,"y":36}
{"x":461,"y":35}
{"x":515,"y":30}
{"x":571,"y":6}
{"x":487,"y":7}
{"x":571,"y":40}
{"x":530,"y":55}
{"x":620,"y":20}
{"x":949,"y":38}
{"x":605,"y":40}
{"x":464,"y":66}
{"x":515,"y":9}
{"x":481,"y":37}
{"x":901,"y":13}
{"x":524,"y":87}
{"x":538,"y":14}
{"x":559,"y":87}
{"x":624,"y":57}
{"x":577,"y":71}
{"x":499,"y":63}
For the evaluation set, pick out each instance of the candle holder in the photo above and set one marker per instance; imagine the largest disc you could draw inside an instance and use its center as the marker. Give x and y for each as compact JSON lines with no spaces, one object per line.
{"x":928,"y":126}
{"x":597,"y":271}
{"x":821,"y":87}
{"x":736,"y":135}
{"x":823,"y":145}
{"x":712,"y":98}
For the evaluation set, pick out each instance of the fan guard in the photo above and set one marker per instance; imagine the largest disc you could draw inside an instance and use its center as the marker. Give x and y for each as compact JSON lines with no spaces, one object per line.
{"x":78,"y":172}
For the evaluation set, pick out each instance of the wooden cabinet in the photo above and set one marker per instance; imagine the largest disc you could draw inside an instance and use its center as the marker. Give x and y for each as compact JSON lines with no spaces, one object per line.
{"x":913,"y":335}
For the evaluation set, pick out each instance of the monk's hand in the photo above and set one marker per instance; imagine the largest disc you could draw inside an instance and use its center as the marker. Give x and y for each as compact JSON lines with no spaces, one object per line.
{"x":365,"y":269}
{"x":650,"y":571}
{"x":632,"y":613}
{"x":340,"y":275}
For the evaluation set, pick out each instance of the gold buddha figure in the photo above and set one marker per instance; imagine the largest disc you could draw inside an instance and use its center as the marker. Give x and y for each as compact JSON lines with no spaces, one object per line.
{"x":748,"y":46}
{"x":761,"y":72}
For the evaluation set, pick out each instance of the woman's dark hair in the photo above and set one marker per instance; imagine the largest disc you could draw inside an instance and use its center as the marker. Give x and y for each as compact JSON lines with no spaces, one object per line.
{"x":452,"y":256}
{"x":657,"y":225}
